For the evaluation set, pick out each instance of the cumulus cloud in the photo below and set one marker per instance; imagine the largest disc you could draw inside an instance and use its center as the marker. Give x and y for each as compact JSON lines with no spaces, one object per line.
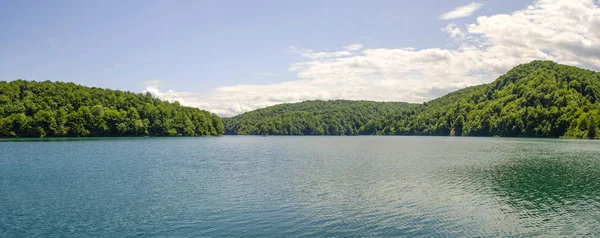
{"x":153,"y":87}
{"x":454,"y":31}
{"x":462,"y":11}
{"x":565,"y":31}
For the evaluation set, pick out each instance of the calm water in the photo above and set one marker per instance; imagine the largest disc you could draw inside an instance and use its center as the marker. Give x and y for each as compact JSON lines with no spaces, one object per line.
{"x":299,"y":186}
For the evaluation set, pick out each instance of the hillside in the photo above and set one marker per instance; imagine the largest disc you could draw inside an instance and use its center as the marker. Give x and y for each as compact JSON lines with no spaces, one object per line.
{"x":57,"y":109}
{"x":539,"y":99}
{"x":340,"y":117}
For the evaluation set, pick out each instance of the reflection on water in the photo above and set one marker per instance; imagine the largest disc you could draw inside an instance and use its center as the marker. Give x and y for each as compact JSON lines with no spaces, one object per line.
{"x":549,"y":187}
{"x":300,"y":187}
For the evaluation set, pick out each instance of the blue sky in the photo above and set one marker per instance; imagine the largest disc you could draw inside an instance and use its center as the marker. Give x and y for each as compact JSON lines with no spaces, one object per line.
{"x":201,"y":47}
{"x":200,"y":44}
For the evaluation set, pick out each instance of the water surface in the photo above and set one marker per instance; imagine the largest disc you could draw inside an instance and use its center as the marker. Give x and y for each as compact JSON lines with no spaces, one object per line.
{"x":235,"y":186}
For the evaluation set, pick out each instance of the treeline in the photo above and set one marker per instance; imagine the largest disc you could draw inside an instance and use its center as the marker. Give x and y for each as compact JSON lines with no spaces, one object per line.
{"x":58,"y":109}
{"x":339,"y":117}
{"x":539,"y":99}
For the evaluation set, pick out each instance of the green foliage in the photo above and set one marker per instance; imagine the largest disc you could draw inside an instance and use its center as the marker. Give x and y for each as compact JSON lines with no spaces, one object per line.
{"x":340,"y":117}
{"x":539,"y":99}
{"x":55,"y":109}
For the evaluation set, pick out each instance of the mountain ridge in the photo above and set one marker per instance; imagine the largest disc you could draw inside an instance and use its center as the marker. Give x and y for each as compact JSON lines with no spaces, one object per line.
{"x":537,"y":99}
{"x":312,"y":117}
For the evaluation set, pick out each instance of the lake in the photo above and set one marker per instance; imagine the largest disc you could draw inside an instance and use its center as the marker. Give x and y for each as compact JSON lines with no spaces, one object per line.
{"x":236,"y":186}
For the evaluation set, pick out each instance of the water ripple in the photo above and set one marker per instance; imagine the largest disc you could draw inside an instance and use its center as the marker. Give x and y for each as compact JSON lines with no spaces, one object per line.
{"x":300,"y":187}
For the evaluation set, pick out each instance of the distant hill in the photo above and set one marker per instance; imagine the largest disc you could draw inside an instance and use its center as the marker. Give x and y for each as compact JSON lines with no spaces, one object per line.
{"x":57,"y":109}
{"x":339,"y":117}
{"x":539,"y":99}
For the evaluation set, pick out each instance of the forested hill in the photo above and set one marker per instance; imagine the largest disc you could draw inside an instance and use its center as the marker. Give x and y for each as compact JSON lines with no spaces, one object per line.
{"x":539,"y":99}
{"x":340,"y":117}
{"x":56,"y":109}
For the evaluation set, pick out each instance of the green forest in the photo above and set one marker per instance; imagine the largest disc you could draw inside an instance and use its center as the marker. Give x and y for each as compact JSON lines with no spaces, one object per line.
{"x":339,"y":117}
{"x":539,"y":99}
{"x":58,"y":109}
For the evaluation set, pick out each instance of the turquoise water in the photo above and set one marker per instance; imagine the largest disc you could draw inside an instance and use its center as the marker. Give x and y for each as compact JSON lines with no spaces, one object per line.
{"x":299,"y":187}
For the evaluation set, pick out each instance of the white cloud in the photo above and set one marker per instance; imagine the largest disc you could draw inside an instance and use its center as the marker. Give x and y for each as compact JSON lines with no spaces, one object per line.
{"x":462,"y":11}
{"x":566,"y":31}
{"x":354,"y":47}
{"x":152,"y":87}
{"x":320,"y":55}
{"x":454,"y":31}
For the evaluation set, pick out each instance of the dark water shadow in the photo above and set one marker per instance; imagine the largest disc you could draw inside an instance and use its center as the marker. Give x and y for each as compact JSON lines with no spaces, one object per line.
{"x":547,"y":188}
{"x":546,"y":184}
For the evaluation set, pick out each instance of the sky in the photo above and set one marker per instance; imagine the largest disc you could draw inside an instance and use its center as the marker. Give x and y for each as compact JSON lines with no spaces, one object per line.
{"x":230,"y":57}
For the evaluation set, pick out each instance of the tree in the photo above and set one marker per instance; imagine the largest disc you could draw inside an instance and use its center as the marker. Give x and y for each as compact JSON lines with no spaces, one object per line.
{"x":44,"y":109}
{"x":591,"y":127}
